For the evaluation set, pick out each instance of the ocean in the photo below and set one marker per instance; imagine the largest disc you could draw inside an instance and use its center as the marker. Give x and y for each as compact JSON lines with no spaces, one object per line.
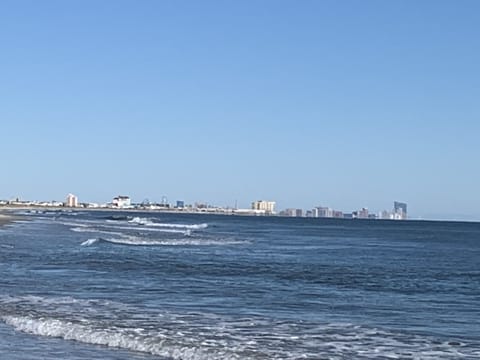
{"x":130,"y":285}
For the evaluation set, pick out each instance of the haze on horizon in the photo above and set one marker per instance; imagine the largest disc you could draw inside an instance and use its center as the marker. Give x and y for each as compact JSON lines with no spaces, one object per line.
{"x":344,"y":104}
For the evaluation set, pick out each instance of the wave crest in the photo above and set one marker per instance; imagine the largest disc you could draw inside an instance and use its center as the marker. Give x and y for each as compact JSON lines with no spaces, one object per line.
{"x":130,"y":339}
{"x":89,"y":242}
{"x":148,"y":222}
{"x":138,"y":241}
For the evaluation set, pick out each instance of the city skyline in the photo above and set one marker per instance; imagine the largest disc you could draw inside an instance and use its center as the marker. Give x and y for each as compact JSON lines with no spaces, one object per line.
{"x":347,"y":104}
{"x":258,"y":207}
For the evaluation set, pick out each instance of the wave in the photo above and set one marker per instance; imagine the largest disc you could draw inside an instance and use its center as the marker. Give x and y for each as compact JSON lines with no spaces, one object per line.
{"x":201,"y":335}
{"x":89,"y":242}
{"x":267,"y":341}
{"x":148,"y":222}
{"x":138,"y":241}
{"x":82,"y":229}
{"x":130,"y":339}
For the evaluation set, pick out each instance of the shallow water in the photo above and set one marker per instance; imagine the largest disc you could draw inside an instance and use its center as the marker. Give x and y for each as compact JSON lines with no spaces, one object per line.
{"x":82,"y":285}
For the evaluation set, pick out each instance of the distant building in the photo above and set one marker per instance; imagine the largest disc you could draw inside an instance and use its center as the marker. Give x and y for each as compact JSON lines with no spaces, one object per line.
{"x":72,"y":201}
{"x":267,"y":206}
{"x":325,"y":212}
{"x":385,"y":215}
{"x":92,"y":205}
{"x":180,"y":204}
{"x":361,"y":214}
{"x":337,"y":214}
{"x":292,"y":212}
{"x":400,"y":210}
{"x":121,"y":202}
{"x":287,"y":212}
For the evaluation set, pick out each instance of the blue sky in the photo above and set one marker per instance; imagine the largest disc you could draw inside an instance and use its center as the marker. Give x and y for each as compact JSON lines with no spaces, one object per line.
{"x":339,"y":103}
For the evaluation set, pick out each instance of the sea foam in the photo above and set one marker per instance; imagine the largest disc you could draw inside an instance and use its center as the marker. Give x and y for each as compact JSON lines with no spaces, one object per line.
{"x":120,"y":338}
{"x":139,"y":241}
{"x":148,"y":222}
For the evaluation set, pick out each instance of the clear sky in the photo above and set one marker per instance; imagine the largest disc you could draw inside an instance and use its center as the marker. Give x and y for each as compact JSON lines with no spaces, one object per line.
{"x":337,"y":103}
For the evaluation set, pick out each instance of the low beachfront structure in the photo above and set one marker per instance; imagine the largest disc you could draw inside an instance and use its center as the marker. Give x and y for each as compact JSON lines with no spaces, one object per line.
{"x":122,"y":202}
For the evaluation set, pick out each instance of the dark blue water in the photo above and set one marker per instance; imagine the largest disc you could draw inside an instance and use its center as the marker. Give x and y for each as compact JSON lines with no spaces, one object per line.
{"x":82,"y":285}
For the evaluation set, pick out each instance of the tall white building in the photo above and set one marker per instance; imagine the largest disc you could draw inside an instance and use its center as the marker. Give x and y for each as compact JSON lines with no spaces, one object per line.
{"x":262,"y":205}
{"x":72,"y":201}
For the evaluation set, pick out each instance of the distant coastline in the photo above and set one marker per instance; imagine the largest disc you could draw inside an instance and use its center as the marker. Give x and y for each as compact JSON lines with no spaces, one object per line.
{"x":8,"y":216}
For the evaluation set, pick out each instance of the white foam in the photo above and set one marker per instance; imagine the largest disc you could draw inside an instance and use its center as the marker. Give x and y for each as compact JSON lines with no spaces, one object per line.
{"x":148,"y":222}
{"x":213,"y":336}
{"x":82,"y":229}
{"x":89,"y":242}
{"x":131,"y":340}
{"x":134,"y":240}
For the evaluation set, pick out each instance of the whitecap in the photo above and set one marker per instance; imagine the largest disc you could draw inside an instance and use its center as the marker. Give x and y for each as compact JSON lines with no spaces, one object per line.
{"x":89,"y":242}
{"x":132,"y":340}
{"x":139,"y":241}
{"x":148,"y":222}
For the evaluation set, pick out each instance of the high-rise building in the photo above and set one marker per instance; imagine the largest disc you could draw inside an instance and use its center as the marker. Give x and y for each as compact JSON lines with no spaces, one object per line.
{"x":325,"y":212}
{"x":338,"y":214}
{"x":362,"y":214}
{"x":400,"y":210}
{"x":262,"y":205}
{"x":291,"y":212}
{"x":72,"y":201}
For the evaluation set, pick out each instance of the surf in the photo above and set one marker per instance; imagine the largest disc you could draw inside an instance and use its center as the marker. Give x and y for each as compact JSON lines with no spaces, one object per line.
{"x":139,"y":241}
{"x":148,"y":222}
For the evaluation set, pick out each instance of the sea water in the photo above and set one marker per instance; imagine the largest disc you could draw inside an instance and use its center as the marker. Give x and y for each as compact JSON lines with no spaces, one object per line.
{"x":116,"y":285}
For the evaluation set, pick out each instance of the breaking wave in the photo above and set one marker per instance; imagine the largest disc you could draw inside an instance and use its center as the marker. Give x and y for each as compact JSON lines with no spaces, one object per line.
{"x":89,"y":242}
{"x":198,"y":336}
{"x":130,"y":339}
{"x":148,"y":222}
{"x":243,"y":338}
{"x":138,"y":241}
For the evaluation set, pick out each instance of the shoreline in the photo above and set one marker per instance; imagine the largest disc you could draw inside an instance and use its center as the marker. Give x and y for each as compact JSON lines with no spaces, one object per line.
{"x":5,"y":212}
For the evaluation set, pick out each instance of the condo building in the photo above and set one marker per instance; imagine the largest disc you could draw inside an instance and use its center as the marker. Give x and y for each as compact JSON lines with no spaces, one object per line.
{"x":400,"y":210}
{"x":267,"y":206}
{"x":72,"y":201}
